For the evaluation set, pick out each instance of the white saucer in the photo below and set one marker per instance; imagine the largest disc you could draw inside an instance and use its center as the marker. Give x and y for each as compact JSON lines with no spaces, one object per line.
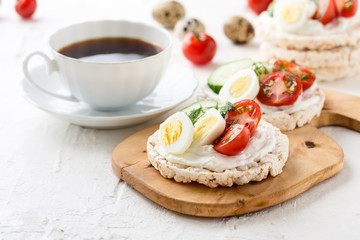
{"x":177,"y":85}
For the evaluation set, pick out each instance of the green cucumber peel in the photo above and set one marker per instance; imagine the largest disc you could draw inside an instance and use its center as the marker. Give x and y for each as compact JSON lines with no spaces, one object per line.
{"x":219,"y":76}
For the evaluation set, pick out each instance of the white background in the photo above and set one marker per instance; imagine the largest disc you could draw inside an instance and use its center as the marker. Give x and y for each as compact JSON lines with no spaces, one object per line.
{"x":56,"y":180}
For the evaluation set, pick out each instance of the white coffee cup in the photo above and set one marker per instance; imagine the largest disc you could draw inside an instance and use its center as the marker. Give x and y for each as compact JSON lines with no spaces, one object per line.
{"x":105,"y":86}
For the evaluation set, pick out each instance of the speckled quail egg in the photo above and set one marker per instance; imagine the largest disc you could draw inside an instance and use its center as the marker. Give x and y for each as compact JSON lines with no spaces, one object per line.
{"x":188,"y":25}
{"x":239,"y":30}
{"x":292,"y":15}
{"x":176,"y":133}
{"x":208,"y":128}
{"x":168,"y":13}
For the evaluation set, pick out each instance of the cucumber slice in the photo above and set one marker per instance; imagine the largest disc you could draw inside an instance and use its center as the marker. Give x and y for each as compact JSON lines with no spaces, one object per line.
{"x":196,"y":110}
{"x":222,"y":73}
{"x":205,"y":104}
{"x":270,"y":9}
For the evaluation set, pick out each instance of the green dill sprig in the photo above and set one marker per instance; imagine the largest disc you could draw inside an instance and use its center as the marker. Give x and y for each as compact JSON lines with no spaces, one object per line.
{"x":261,"y":69}
{"x":281,"y":67}
{"x":195,"y":114}
{"x":290,"y":77}
{"x":225,"y":109}
{"x":232,"y":123}
{"x":304,"y":76}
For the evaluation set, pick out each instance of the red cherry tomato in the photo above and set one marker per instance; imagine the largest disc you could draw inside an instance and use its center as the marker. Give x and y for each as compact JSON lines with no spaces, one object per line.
{"x":247,"y":112}
{"x":326,"y":11}
{"x":25,"y":8}
{"x":199,"y":48}
{"x":305,"y":77}
{"x":279,"y":88}
{"x":258,"y":6}
{"x":235,"y":139}
{"x":346,"y":8}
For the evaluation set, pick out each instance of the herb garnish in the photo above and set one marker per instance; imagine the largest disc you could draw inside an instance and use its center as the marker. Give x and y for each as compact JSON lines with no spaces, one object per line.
{"x":225,"y":109}
{"x":195,"y":114}
{"x":261,"y":70}
{"x":232,"y":123}
{"x":304,"y":76}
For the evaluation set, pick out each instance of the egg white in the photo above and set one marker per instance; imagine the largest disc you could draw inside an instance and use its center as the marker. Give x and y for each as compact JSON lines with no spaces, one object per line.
{"x":208,"y":132}
{"x":250,"y":93}
{"x":185,"y":138}
{"x":307,"y":9}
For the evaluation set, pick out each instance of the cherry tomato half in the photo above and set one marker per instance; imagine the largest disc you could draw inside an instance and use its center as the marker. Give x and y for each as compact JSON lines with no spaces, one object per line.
{"x":258,"y":6}
{"x":279,"y":88}
{"x":305,"y":77}
{"x":247,"y":112}
{"x":235,"y":139}
{"x":346,"y":8}
{"x":25,"y":8}
{"x":326,"y":11}
{"x":199,"y":48}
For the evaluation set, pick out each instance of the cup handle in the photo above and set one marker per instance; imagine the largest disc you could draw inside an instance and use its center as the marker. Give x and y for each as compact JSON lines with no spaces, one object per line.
{"x":51,"y":67}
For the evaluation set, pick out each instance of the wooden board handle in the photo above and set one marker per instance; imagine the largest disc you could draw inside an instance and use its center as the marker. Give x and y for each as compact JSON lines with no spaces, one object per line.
{"x":340,"y":109}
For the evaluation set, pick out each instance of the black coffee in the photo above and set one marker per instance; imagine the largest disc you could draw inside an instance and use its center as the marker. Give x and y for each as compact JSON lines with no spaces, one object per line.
{"x":117,"y":49}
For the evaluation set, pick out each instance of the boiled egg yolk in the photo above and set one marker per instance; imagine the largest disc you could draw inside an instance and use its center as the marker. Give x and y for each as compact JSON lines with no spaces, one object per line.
{"x":176,"y":133}
{"x":171,"y":132}
{"x":291,"y":13}
{"x":208,"y":128}
{"x":242,"y":85}
{"x":204,"y":127}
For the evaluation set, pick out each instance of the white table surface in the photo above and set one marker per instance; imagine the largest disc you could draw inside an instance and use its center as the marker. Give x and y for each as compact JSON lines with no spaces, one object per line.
{"x":56,"y":180}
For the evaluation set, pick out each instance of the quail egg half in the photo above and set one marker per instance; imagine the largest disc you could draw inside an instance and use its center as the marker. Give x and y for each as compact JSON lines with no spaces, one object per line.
{"x":292,"y":14}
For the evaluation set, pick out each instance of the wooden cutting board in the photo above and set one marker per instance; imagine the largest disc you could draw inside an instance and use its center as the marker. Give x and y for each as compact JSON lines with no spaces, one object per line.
{"x":313,"y":157}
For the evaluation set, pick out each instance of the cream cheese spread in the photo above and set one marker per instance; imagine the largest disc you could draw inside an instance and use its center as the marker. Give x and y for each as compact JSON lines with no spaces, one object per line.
{"x":205,"y":157}
{"x":313,"y":27}
{"x":308,"y":98}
